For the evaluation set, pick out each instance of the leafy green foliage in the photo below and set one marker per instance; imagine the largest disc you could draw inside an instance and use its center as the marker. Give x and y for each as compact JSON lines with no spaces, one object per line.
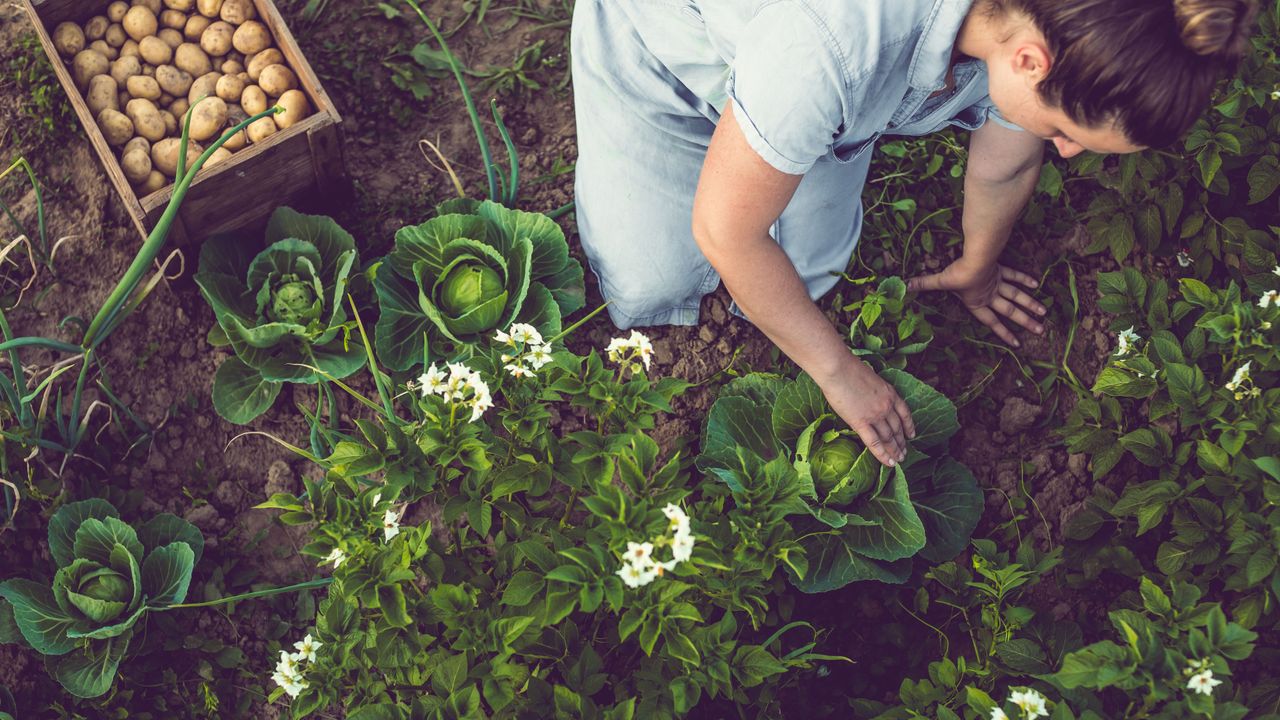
{"x":859,"y":520}
{"x":108,"y":576}
{"x":283,"y":310}
{"x":473,"y":269}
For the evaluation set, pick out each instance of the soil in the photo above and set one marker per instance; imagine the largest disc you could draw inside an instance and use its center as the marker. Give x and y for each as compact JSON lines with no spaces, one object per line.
{"x":198,"y":466}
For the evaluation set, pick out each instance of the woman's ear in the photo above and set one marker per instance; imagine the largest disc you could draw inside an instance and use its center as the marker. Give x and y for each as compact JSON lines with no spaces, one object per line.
{"x":1031,"y":61}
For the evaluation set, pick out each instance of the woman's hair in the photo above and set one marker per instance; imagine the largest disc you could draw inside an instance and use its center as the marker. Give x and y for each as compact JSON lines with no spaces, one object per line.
{"x":1150,"y":66}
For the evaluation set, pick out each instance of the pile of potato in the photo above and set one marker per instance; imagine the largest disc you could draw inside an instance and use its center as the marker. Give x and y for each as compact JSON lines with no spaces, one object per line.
{"x":143,"y":65}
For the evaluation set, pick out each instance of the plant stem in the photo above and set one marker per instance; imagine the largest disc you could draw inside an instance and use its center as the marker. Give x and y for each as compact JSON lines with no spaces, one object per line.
{"x":155,"y":240}
{"x":308,"y":585}
{"x":581,"y":321}
{"x":485,"y":153}
{"x":39,"y":342}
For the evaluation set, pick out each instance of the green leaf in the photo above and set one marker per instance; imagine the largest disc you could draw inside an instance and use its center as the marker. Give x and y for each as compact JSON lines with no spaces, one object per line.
{"x":522,"y":588}
{"x":380,"y":711}
{"x":1260,"y":566}
{"x":1264,"y":178}
{"x":894,"y":530}
{"x":66,"y":521}
{"x":833,"y":564}
{"x":752,"y":665}
{"x":391,"y":602}
{"x":1096,"y":666}
{"x":43,"y":624}
{"x":1187,"y":386}
{"x":89,"y":671}
{"x":1154,"y":598}
{"x":166,"y":574}
{"x":950,"y":504}
{"x":550,"y":262}
{"x":240,"y":393}
{"x":403,"y":328}
{"x":932,"y":412}
{"x":323,"y":233}
{"x":96,"y":540}
{"x":798,"y":404}
{"x":450,"y":674}
{"x":1023,"y":656}
{"x":1146,"y":446}
{"x":9,"y":632}
{"x":166,"y":529}
{"x":1116,"y":382}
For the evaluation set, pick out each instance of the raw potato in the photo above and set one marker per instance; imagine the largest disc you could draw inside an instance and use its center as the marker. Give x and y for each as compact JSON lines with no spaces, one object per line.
{"x":237,"y":12}
{"x":232,"y":67}
{"x":155,"y":181}
{"x":124,"y":68}
{"x":295,"y":109}
{"x":146,"y":119}
{"x":171,"y":37}
{"x":179,"y":107}
{"x":208,"y":117}
{"x":155,"y":51}
{"x":69,"y":39}
{"x":149,"y":70}
{"x":115,"y":36}
{"x":262,"y":60}
{"x":237,"y":56}
{"x":229,"y":88}
{"x":86,"y":64}
{"x":180,"y":5}
{"x":235,"y":116}
{"x":204,"y":86}
{"x":103,"y":94}
{"x":96,"y":27}
{"x":261,"y":129}
{"x":191,"y":58}
{"x":252,"y":37}
{"x":130,"y":49}
{"x":170,"y":123}
{"x":276,"y":80}
{"x":209,"y":8}
{"x":165,"y":99}
{"x":140,"y":22}
{"x":141,"y":86}
{"x":218,"y":156}
{"x":217,"y":38}
{"x":122,"y":98}
{"x":164,"y":155}
{"x":136,"y":165}
{"x":154,"y":6}
{"x":116,"y":127}
{"x":195,"y":28}
{"x":102,"y":48}
{"x":135,"y":144}
{"x":174,"y":81}
{"x":253,"y":100}
{"x":173,"y":19}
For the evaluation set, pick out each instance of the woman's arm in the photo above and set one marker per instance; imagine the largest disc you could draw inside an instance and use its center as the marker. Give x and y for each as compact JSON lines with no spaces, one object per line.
{"x":1004,"y":166}
{"x":739,"y":197}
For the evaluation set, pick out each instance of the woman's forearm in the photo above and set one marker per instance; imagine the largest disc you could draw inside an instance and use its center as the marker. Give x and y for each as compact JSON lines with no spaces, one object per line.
{"x":990,"y":211}
{"x":770,"y":292}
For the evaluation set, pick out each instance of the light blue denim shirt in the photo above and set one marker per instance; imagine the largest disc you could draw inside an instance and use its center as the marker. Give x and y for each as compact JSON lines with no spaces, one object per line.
{"x":810,"y":79}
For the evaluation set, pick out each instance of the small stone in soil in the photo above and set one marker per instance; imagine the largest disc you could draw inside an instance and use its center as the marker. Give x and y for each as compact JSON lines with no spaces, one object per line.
{"x":1018,"y":415}
{"x":706,"y":334}
{"x":280,"y":479}
{"x":204,"y":517}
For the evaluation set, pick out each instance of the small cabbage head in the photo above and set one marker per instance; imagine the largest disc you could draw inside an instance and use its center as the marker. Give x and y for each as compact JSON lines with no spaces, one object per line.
{"x":96,"y":593}
{"x":295,"y":301}
{"x":467,"y":286}
{"x":832,"y":462}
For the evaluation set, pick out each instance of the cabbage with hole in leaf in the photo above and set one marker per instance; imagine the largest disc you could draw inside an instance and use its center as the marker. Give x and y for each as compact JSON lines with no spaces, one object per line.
{"x":475,"y":268}
{"x":282,"y":309}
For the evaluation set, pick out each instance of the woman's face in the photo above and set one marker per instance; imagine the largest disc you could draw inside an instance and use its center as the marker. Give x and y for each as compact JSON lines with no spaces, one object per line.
{"x":1013,"y":77}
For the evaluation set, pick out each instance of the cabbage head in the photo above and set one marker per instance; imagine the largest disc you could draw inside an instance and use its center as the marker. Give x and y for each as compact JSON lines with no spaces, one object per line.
{"x":282,"y":309}
{"x":108,"y":576}
{"x":450,"y":282}
{"x":857,"y":520}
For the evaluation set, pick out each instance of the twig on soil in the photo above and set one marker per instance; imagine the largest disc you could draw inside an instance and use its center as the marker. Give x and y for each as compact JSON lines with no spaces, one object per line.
{"x":31,"y":258}
{"x":448,"y":167}
{"x":17,"y":501}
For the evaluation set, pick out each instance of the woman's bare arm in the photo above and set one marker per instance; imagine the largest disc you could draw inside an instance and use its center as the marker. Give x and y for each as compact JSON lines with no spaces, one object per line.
{"x":739,"y":197}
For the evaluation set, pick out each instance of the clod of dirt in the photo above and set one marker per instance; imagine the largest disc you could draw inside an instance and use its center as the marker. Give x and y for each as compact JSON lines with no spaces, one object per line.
{"x":280,"y":479}
{"x":1018,"y":415}
{"x":204,"y":517}
{"x":228,"y":494}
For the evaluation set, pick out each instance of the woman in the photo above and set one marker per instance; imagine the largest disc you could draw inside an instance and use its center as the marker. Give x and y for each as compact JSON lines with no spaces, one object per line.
{"x":730,"y":140}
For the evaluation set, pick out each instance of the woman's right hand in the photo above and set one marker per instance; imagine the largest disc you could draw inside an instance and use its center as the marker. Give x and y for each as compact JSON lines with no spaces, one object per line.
{"x":872,"y":407}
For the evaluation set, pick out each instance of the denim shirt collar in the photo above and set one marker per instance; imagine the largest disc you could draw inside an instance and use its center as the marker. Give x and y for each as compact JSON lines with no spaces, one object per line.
{"x":932,"y":59}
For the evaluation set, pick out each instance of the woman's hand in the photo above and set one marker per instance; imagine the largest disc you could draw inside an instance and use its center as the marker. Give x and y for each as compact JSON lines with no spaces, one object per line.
{"x":989,"y":291}
{"x":872,"y":408}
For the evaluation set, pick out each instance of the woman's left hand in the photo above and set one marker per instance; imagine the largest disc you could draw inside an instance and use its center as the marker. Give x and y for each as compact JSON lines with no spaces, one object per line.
{"x":990,"y":291}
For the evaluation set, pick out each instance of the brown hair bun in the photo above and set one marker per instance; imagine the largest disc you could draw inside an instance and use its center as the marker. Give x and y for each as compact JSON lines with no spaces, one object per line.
{"x":1219,"y":28}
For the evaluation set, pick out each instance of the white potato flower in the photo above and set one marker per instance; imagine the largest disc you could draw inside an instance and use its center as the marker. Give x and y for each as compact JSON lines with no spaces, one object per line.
{"x":1126,"y":340}
{"x":639,"y":553}
{"x":634,"y":576}
{"x":432,"y":381}
{"x":998,"y":714}
{"x":1184,"y":259}
{"x":682,"y":547}
{"x":525,"y":333}
{"x":679,"y":520}
{"x":306,"y":648}
{"x":503,"y":338}
{"x":538,"y":356}
{"x":518,"y":371}
{"x":1269,"y":298}
{"x":336,"y":556}
{"x":390,"y":524}
{"x":1030,"y":702}
{"x":1203,"y":682}
{"x":1241,"y":376}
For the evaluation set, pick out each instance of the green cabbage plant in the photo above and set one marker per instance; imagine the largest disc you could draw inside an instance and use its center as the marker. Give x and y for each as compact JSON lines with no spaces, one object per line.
{"x":282,"y":309}
{"x":108,"y":576}
{"x":858,"y":520}
{"x":473,"y":269}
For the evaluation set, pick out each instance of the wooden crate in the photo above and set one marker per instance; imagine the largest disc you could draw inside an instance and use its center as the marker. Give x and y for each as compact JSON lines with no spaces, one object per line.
{"x":297,"y":165}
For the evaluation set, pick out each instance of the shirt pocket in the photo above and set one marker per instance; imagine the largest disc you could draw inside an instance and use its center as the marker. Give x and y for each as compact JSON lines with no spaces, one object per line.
{"x":850,"y":152}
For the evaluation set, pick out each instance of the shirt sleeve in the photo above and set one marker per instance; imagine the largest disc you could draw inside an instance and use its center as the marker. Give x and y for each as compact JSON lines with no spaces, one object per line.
{"x":788,"y":87}
{"x":991,"y":112}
